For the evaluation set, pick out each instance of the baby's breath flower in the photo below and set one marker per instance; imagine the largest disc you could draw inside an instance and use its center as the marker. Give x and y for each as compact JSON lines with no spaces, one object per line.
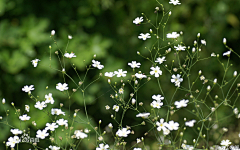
{"x":227,"y":53}
{"x":213,"y":55}
{"x":52,"y":32}
{"x":3,"y":101}
{"x":174,"y":2}
{"x":234,"y":73}
{"x":116,"y":108}
{"x":143,"y":115}
{"x":69,"y":37}
{"x":198,"y":35}
{"x":107,"y":107}
{"x":144,"y":36}
{"x":138,"y":20}
{"x":204,"y":42}
{"x":224,"y":41}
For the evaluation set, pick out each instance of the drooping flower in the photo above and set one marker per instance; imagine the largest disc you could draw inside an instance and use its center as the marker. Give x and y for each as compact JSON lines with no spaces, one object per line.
{"x":27,"y":88}
{"x":160,"y":60}
{"x":173,"y":35}
{"x":62,"y":87}
{"x":55,"y":111}
{"x":174,"y":2}
{"x":123,"y":133}
{"x":35,"y":62}
{"x":69,"y":55}
{"x":144,"y":36}
{"x":156,"y":71}
{"x":138,"y":20}
{"x":27,"y":108}
{"x":120,"y":73}
{"x":134,"y":64}
{"x":227,"y":53}
{"x":143,"y":115}
{"x":182,"y":103}
{"x":97,"y":64}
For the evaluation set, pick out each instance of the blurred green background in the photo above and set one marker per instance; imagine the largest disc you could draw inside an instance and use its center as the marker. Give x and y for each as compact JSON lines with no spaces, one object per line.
{"x":104,"y":28}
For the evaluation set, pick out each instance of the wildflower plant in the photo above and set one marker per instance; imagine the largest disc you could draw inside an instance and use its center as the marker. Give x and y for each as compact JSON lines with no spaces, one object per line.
{"x":162,"y":114}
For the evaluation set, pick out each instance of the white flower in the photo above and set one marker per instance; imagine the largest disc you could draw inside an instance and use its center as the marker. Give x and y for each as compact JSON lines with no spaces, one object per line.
{"x":55,"y":111}
{"x":156,"y":71}
{"x":204,"y":42}
{"x":3,"y":101}
{"x":235,"y":73}
{"x":140,"y":76}
{"x":174,"y":2}
{"x":157,"y":104}
{"x":133,"y":101}
{"x":27,"y":88}
{"x":225,"y":142}
{"x":97,"y":64}
{"x":35,"y":62}
{"x":62,"y":87}
{"x":188,"y":147}
{"x":161,"y":125}
{"x":54,"y":147}
{"x":173,"y":35}
{"x":176,"y":79}
{"x":53,"y":32}
{"x":157,"y":97}
{"x":69,"y":37}
{"x":190,"y":123}
{"x":120,"y":91}
{"x":42,"y":134}
{"x":134,"y":64}
{"x":12,"y":141}
{"x":202,"y":77}
{"x":27,"y":108}
{"x":120,"y":73}
{"x":235,"y":111}
{"x":49,"y":98}
{"x":109,"y":74}
{"x":102,"y":147}
{"x":166,"y":132}
{"x":227,"y":53}
{"x":107,"y":107}
{"x":138,"y":140}
{"x":138,"y":20}
{"x":172,"y":125}
{"x":69,"y":55}
{"x":24,"y":117}
{"x":51,"y":126}
{"x":224,"y":41}
{"x":110,"y":125}
{"x":40,"y":105}
{"x":160,"y":60}
{"x":123,"y":133}
{"x":16,"y":131}
{"x":80,"y":134}
{"x":116,"y":108}
{"x":180,"y":48}
{"x":213,"y":55}
{"x":182,"y":103}
{"x":62,"y":122}
{"x":144,"y":36}
{"x":143,"y":115}
{"x":137,"y":149}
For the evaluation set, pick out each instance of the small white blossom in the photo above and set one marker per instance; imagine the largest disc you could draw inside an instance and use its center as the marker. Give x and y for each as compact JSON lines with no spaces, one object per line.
{"x":225,"y":142}
{"x":173,"y":125}
{"x":69,"y":37}
{"x":120,"y":73}
{"x":182,"y":103}
{"x":54,"y":147}
{"x":156,"y":71}
{"x":140,"y":76}
{"x":174,"y":2}
{"x":180,"y":48}
{"x":224,"y":41}
{"x":42,"y":134}
{"x":97,"y":64}
{"x":190,"y":123}
{"x":144,"y":36}
{"x":27,"y":108}
{"x":161,"y":125}
{"x":234,"y":73}
{"x":62,"y":87}
{"x":40,"y":105}
{"x":62,"y":122}
{"x":12,"y":141}
{"x":116,"y":108}
{"x":16,"y":131}
{"x":204,"y":42}
{"x":227,"y":53}
{"x":53,"y":32}
{"x":35,"y":62}
{"x":160,"y":60}
{"x":102,"y":147}
{"x":109,"y":74}
{"x":138,"y":20}
{"x":173,"y":35}
{"x":55,"y":111}
{"x":3,"y":101}
{"x":235,"y":111}
{"x":134,"y":64}
{"x":51,"y":126}
{"x":80,"y":134}
{"x":69,"y":55}
{"x":123,"y":133}
{"x":213,"y":55}
{"x":49,"y":98}
{"x":27,"y":88}
{"x":24,"y":117}
{"x":143,"y":115}
{"x":176,"y":79}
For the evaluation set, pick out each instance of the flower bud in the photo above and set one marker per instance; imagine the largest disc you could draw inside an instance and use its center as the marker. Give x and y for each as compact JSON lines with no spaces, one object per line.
{"x":3,"y":101}
{"x":52,"y":32}
{"x":198,"y":35}
{"x":234,"y":73}
{"x":169,"y":13}
{"x":224,"y":41}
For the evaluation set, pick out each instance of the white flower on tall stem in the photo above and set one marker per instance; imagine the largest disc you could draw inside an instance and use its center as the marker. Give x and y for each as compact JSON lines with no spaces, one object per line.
{"x":161,"y":125}
{"x":49,"y":98}
{"x":173,"y":35}
{"x":160,"y":60}
{"x":27,"y":108}
{"x":40,"y":105}
{"x":69,"y":55}
{"x":140,"y":76}
{"x":27,"y":88}
{"x":123,"y":133}
{"x":225,"y":143}
{"x":97,"y":64}
{"x":120,"y":73}
{"x":109,"y":74}
{"x":143,"y":115}
{"x":51,"y":126}
{"x":80,"y":134}
{"x":16,"y":131}
{"x":62,"y":122}
{"x":62,"y":87}
{"x":182,"y":103}
{"x":35,"y":62}
{"x":180,"y":48}
{"x":134,"y":64}
{"x":173,"y":125}
{"x":156,"y":71}
{"x":42,"y":134}
{"x":102,"y":147}
{"x":144,"y":36}
{"x":24,"y":117}
{"x":174,"y":2}
{"x":12,"y":141}
{"x":176,"y":79}
{"x":138,"y":20}
{"x":190,"y":123}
